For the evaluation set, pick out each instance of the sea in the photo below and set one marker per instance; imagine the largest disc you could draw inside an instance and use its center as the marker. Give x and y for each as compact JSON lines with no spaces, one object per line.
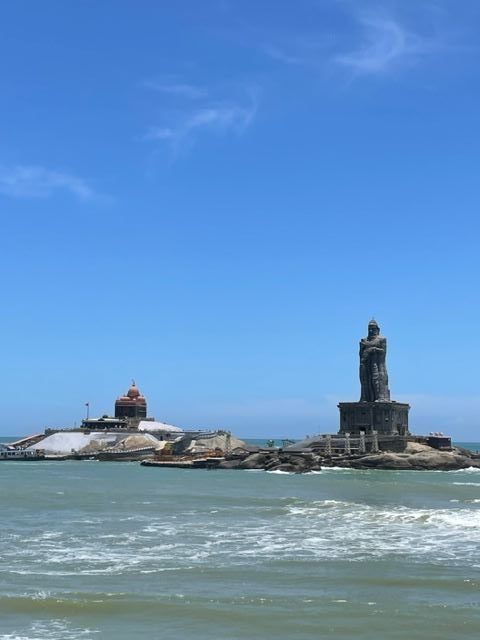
{"x":115,"y":551}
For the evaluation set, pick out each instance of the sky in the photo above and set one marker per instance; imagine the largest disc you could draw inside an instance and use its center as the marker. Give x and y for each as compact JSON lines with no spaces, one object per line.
{"x":214,"y":198}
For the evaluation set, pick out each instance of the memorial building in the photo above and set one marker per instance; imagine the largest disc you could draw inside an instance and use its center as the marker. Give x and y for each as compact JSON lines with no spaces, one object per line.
{"x":132,"y":405}
{"x":130,"y":410}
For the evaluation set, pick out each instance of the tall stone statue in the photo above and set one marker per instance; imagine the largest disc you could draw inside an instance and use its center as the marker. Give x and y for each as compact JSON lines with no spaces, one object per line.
{"x":376,"y":417}
{"x":373,"y":370}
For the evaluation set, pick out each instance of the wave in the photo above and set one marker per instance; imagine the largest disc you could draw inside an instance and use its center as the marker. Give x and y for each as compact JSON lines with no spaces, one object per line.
{"x":57,"y":629}
{"x":256,"y":519}
{"x":329,"y":529}
{"x":282,"y":473}
{"x":467,"y":484}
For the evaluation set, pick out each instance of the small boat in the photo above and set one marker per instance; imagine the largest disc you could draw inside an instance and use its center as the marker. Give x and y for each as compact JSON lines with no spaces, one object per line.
{"x":21,"y":454}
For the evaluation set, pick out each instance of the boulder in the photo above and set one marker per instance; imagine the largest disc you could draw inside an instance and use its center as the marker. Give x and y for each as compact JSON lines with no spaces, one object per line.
{"x":424,"y":459}
{"x":258,"y":461}
{"x":381,"y":461}
{"x":193,"y":444}
{"x":286,"y":468}
{"x":230,"y":464}
{"x":416,"y":447}
{"x":416,"y":457}
{"x":301,"y":463}
{"x":441,"y":461}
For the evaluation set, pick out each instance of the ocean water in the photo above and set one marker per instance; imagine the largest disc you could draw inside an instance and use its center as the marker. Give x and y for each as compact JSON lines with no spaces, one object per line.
{"x":116,"y":551}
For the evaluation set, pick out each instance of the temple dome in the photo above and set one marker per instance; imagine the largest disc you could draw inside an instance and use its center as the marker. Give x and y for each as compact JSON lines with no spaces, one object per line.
{"x":132,"y":405}
{"x":133,"y":392}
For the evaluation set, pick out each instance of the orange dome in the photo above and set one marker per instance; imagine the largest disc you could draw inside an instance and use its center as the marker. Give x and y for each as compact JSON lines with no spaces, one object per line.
{"x":133,"y":392}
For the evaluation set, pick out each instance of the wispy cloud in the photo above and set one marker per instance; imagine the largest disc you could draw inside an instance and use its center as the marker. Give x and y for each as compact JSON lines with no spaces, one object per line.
{"x":216,"y":118}
{"x":220,"y":110}
{"x":183,"y":90}
{"x":365,"y":44}
{"x":27,"y":181}
{"x":219,"y":119}
{"x":386,"y":43}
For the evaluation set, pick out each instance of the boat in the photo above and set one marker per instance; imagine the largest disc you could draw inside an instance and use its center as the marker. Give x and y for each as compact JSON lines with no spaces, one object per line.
{"x":21,"y":454}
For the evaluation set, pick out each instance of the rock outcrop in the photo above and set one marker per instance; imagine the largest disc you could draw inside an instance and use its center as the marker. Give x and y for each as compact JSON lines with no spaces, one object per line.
{"x":203,"y":443}
{"x":416,"y":457}
{"x":431,"y":460}
{"x":275,"y":461}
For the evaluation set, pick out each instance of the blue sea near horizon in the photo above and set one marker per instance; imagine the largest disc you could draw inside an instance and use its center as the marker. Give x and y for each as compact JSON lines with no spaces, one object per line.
{"x":115,"y":551}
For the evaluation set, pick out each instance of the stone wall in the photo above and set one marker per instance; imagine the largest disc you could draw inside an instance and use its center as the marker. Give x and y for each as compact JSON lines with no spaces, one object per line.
{"x":386,"y":418}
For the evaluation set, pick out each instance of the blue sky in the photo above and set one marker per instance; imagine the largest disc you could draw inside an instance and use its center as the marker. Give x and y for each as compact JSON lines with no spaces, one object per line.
{"x":215,"y":197}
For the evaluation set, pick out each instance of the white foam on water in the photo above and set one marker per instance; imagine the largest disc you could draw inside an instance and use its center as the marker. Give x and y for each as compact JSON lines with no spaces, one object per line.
{"x":37,"y":595}
{"x":280,"y":472}
{"x":314,"y":507}
{"x":51,"y":630}
{"x":467,"y":484}
{"x":246,"y":532}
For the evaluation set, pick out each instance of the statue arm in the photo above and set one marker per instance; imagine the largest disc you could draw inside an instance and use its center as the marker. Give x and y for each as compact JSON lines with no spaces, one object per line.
{"x":363,"y":348}
{"x":380,"y":346}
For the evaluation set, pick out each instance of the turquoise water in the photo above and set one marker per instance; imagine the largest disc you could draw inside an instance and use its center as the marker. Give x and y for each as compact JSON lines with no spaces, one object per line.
{"x":119,"y":551}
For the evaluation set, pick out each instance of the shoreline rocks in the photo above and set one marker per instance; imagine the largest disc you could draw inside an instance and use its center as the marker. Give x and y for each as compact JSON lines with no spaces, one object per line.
{"x":417,"y":457}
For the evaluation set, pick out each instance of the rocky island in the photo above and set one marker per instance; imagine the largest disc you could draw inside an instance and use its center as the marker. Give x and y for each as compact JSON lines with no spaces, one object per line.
{"x":373,"y":434}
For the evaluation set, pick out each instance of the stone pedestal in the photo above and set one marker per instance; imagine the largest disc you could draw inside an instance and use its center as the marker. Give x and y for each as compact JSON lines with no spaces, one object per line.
{"x":386,"y":418}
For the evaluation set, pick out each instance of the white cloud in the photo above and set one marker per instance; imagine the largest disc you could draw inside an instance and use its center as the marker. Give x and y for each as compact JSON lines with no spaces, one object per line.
{"x":27,"y":181}
{"x":219,"y":119}
{"x":212,"y":113}
{"x":222,"y":119}
{"x":385,"y":43}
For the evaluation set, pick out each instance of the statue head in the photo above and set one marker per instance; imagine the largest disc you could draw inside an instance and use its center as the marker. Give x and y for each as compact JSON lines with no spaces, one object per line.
{"x":373,"y":328}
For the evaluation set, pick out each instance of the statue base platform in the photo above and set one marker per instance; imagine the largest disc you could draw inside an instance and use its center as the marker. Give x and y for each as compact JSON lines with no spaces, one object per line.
{"x":386,"y":418}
